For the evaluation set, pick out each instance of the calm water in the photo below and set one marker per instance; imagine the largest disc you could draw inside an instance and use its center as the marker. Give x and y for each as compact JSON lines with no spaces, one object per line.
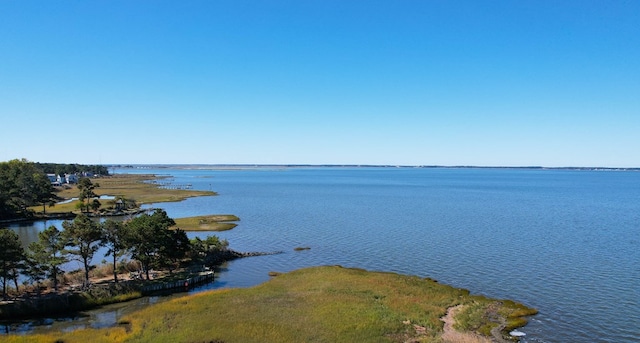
{"x":564,"y":242}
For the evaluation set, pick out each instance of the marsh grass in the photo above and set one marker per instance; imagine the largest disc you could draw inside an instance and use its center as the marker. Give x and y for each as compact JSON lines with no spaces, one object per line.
{"x":517,"y":317}
{"x":130,"y":186}
{"x":320,"y":304}
{"x":483,"y":314}
{"x":473,"y":317}
{"x":113,"y":335}
{"x":214,"y":222}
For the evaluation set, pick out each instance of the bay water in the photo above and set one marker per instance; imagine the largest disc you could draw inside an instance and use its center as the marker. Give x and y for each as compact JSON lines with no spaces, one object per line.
{"x":566,"y":242}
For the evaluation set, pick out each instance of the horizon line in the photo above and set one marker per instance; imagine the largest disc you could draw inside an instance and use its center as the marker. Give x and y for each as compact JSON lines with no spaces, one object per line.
{"x":302,"y":165}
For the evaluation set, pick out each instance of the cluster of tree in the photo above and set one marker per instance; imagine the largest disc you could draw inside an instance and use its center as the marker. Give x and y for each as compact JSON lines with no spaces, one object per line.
{"x":23,"y":184}
{"x":146,"y":238}
{"x":62,"y":169}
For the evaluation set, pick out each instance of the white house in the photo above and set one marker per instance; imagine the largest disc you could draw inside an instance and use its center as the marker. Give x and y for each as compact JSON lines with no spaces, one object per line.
{"x":67,"y":178}
{"x":52,"y":177}
{"x":71,"y":178}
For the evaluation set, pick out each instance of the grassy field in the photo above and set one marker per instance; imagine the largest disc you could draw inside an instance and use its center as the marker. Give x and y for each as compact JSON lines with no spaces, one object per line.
{"x":129,"y":186}
{"x":320,"y":304}
{"x":143,"y":191}
{"x":217,"y":222}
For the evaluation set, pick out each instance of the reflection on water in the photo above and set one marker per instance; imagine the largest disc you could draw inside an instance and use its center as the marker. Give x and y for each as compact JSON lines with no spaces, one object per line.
{"x":28,"y":231}
{"x":102,"y":317}
{"x":105,"y":316}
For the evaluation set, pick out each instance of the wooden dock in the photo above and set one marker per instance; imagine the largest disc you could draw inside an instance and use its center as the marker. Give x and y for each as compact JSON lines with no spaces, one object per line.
{"x":186,"y":283}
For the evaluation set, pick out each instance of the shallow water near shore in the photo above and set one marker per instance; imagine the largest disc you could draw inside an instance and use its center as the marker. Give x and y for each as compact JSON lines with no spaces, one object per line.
{"x":563,"y":241}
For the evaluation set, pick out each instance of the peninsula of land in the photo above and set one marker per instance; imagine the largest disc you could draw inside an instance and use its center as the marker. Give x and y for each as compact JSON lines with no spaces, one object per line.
{"x":318,"y":304}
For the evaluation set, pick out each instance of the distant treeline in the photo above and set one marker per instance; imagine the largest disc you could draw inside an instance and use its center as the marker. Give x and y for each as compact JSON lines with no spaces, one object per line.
{"x":61,"y":169}
{"x":24,"y":184}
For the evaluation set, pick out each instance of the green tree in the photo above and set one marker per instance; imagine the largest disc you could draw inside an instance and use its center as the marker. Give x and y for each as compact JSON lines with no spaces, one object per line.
{"x":22,"y":184}
{"x":32,"y":268}
{"x":146,"y":238}
{"x":95,"y":205}
{"x":84,"y":237}
{"x":87,"y":193}
{"x":115,"y":240}
{"x":47,"y":254}
{"x":43,"y":191}
{"x":210,"y":245}
{"x":175,"y":247}
{"x":61,"y":169}
{"x":6,"y":210}
{"x":11,"y":257}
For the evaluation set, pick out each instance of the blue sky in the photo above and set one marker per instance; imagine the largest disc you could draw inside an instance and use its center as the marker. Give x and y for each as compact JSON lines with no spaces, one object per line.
{"x":490,"y":83}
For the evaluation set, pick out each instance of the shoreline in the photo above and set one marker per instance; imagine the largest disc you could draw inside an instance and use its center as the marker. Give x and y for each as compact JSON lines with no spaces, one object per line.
{"x":364,"y":305}
{"x":32,"y":306}
{"x":73,"y":300}
{"x":284,"y":166}
{"x":71,"y":215}
{"x":124,"y":185}
{"x":142,"y":188}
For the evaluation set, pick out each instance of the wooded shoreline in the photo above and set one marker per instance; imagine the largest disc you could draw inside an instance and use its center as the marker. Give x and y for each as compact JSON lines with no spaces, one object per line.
{"x":92,"y":235}
{"x":99,"y":294}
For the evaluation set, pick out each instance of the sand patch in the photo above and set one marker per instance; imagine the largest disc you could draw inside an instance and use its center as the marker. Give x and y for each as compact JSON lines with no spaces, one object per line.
{"x":452,"y":335}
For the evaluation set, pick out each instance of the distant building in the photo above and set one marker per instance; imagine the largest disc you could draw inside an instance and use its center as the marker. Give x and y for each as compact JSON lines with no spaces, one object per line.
{"x":59,"y":179}
{"x":52,"y":178}
{"x":71,"y":178}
